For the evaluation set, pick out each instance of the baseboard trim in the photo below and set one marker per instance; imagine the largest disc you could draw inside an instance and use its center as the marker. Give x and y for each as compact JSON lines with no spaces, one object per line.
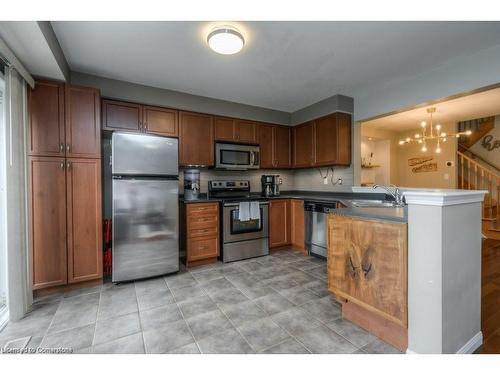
{"x":471,"y":346}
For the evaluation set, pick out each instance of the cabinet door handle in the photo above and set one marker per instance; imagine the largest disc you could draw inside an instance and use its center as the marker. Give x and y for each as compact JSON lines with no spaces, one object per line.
{"x":68,"y":165}
{"x":145,"y":126}
{"x":62,"y":164}
{"x":61,"y":147}
{"x":68,"y":148}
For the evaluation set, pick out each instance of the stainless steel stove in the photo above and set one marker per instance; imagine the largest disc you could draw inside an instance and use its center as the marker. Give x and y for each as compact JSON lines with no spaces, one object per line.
{"x":242,"y":238}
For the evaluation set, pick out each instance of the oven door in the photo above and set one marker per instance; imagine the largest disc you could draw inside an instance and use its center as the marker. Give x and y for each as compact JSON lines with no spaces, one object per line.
{"x":239,"y":157}
{"x":235,"y":230}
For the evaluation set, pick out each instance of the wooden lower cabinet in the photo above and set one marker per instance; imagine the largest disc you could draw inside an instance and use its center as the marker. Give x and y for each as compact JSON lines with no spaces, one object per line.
{"x":65,"y":220}
{"x":297,"y":235}
{"x":286,"y":223}
{"x":84,"y":215}
{"x":47,"y":192}
{"x":279,"y":223}
{"x":202,"y":233}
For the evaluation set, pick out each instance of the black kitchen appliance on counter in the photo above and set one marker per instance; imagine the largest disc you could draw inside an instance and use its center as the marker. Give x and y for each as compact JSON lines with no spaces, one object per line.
{"x":270,"y":185}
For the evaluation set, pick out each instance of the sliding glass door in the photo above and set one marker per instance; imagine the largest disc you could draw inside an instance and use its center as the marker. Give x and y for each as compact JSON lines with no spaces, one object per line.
{"x":3,"y":241}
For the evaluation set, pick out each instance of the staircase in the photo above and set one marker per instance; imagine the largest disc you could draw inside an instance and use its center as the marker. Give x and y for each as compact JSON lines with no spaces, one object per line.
{"x":474,"y":174}
{"x":479,"y":127}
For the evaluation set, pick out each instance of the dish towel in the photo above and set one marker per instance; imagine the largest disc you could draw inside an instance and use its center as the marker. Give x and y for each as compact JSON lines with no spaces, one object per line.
{"x":244,"y":211}
{"x":254,"y":211}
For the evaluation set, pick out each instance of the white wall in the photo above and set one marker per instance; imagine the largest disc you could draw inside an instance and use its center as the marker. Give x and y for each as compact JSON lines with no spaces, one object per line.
{"x":460,"y":75}
{"x":381,"y":159}
{"x":444,"y":177}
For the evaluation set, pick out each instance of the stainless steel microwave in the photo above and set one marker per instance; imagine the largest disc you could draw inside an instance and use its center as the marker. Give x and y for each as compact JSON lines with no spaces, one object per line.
{"x":239,"y":157}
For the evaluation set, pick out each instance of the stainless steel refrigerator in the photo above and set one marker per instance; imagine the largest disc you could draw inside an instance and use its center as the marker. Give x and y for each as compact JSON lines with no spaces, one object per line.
{"x":145,"y":206}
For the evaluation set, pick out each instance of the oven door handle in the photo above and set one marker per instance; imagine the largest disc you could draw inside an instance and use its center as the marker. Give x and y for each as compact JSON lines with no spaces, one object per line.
{"x":237,"y":204}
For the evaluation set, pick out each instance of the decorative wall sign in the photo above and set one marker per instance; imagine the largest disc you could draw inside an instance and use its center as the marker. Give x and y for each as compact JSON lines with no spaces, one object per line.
{"x":489,"y":144}
{"x":419,"y":160}
{"x":429,"y":167}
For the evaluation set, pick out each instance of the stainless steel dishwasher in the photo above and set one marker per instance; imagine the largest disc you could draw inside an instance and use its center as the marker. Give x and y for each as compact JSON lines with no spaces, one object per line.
{"x":315,"y":223}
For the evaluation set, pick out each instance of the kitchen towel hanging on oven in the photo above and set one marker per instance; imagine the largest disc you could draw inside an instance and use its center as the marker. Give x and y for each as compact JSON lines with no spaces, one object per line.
{"x":254,"y":211}
{"x":244,"y":211}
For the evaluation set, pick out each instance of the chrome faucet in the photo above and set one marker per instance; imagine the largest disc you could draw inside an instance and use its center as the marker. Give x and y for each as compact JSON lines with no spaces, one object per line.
{"x":395,"y":192}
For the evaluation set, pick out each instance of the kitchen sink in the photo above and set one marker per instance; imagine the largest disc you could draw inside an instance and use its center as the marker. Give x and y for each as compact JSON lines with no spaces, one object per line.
{"x":373,"y":203}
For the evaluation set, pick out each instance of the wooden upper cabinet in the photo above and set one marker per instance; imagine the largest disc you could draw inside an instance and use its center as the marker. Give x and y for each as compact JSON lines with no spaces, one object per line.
{"x":343,"y":138}
{"x":282,"y":143}
{"x":83,"y":128}
{"x":279,"y":222}
{"x":303,"y":145}
{"x":47,"y":216}
{"x":196,"y":139}
{"x":333,"y":140}
{"x":161,"y":121}
{"x":121,"y":115}
{"x":266,"y":141}
{"x":238,"y":131}
{"x":84,"y":219}
{"x":224,"y":129}
{"x":367,"y":265}
{"x":46,"y":119}
{"x":246,"y":131}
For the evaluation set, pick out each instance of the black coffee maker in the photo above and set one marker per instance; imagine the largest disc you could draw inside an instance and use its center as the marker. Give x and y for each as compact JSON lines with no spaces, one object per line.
{"x":270,"y":185}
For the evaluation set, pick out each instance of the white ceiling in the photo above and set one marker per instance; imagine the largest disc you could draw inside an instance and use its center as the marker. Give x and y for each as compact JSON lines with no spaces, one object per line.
{"x":29,"y":45}
{"x":284,"y":65}
{"x":482,"y":104}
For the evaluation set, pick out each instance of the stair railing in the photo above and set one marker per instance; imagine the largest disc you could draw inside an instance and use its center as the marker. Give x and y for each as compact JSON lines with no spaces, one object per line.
{"x":474,"y":176}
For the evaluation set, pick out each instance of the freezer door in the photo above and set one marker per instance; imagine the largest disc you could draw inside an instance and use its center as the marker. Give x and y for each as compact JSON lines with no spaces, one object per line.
{"x":142,"y":154}
{"x":145,"y":228}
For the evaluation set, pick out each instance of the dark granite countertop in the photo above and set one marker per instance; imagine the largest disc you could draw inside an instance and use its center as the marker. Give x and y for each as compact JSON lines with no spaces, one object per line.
{"x":382,"y":213}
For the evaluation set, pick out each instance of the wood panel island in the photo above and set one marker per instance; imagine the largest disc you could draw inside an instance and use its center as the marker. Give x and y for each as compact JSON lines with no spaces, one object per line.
{"x":367,"y":272}
{"x":412,"y":280}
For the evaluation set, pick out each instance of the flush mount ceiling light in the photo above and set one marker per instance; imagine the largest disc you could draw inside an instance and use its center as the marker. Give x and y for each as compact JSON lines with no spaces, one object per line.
{"x":225,"y":40}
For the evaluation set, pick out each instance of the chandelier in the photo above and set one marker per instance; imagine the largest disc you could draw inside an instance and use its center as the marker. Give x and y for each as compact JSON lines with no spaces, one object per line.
{"x":430,"y":133}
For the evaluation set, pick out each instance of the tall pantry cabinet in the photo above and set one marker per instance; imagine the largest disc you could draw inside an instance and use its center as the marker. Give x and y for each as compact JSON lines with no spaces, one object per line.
{"x":64,"y":152}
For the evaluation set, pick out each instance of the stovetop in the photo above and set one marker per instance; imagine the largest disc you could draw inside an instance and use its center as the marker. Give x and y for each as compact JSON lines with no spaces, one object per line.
{"x":243,"y":199}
